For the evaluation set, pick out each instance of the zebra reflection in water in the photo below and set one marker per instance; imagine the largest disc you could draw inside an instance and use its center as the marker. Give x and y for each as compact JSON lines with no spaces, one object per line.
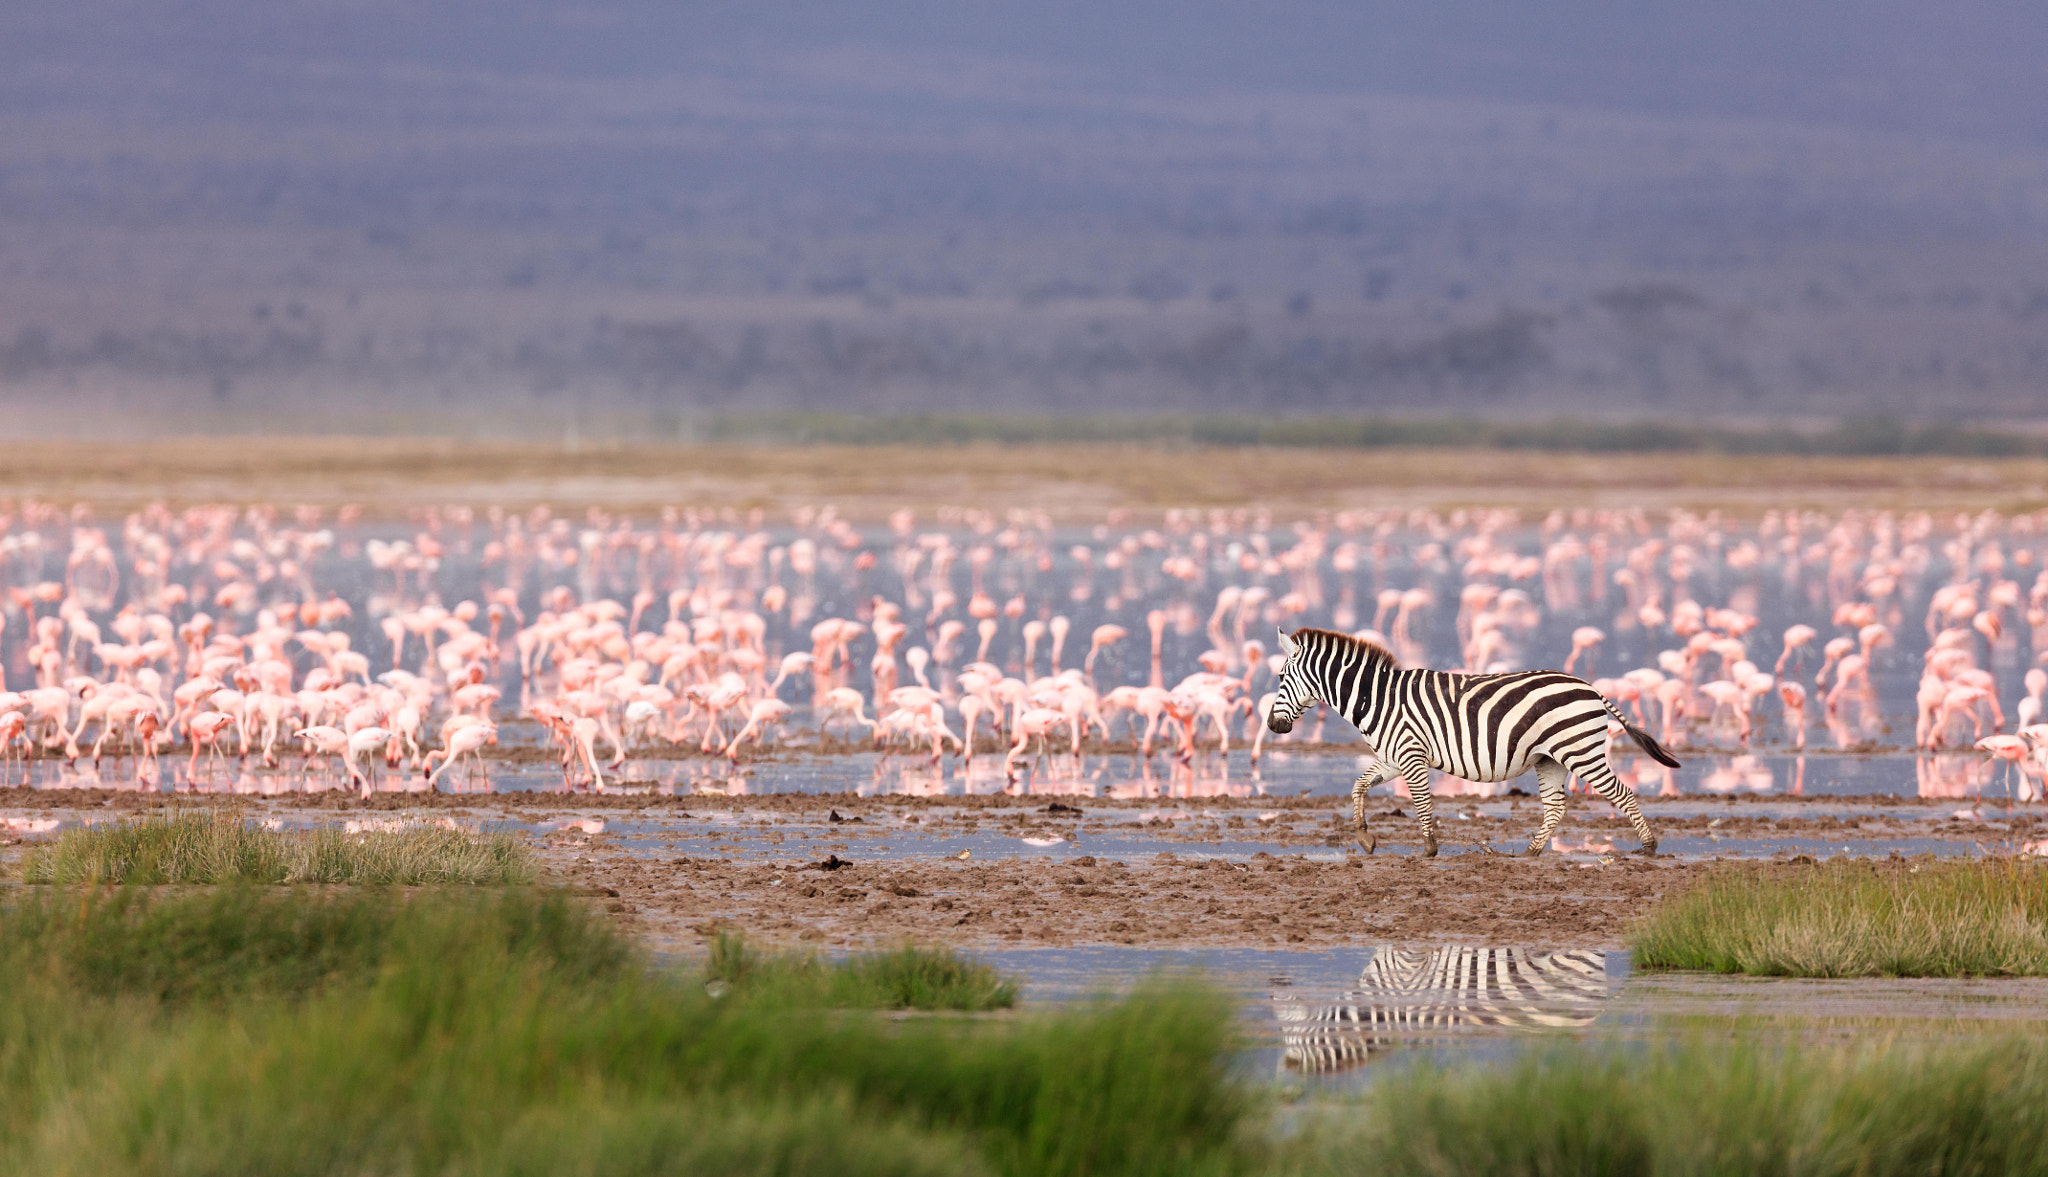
{"x":1405,"y":995}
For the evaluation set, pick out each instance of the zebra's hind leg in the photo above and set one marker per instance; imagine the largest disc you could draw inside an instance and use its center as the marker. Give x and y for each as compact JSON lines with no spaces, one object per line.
{"x":1550,"y":782}
{"x":1415,"y":770}
{"x":1366,"y":780}
{"x":1597,"y":774}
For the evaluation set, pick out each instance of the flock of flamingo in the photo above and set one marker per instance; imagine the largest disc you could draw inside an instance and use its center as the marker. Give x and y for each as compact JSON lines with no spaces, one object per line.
{"x":325,"y":646}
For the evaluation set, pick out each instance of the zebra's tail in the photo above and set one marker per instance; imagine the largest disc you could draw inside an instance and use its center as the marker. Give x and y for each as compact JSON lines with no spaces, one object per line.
{"x":1644,"y":740}
{"x":1648,"y":743}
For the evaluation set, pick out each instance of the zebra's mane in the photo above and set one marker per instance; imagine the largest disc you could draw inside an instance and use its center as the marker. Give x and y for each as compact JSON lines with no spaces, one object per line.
{"x":1330,"y":637}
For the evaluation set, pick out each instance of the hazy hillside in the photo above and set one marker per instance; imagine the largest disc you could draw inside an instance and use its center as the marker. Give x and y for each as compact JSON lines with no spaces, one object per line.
{"x":346,"y":213}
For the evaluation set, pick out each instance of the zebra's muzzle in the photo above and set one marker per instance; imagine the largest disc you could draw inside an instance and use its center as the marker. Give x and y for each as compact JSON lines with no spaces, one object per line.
{"x":1279,"y":724}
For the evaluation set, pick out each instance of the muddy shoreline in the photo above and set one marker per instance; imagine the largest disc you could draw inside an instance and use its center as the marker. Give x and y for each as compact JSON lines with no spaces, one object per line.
{"x":840,"y":870}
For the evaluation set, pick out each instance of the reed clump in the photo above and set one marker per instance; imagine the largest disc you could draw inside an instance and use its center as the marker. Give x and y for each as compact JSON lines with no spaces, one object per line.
{"x":219,"y":847}
{"x":1856,"y":918}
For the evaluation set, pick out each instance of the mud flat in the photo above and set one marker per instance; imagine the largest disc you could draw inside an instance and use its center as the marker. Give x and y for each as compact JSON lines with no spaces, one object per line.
{"x":985,"y":872}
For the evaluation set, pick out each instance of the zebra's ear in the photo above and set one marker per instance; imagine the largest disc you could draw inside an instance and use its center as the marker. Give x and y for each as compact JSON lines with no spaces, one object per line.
{"x":1286,"y":644}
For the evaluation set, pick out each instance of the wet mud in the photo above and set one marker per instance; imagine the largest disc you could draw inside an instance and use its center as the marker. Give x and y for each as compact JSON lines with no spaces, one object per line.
{"x":990,"y":872}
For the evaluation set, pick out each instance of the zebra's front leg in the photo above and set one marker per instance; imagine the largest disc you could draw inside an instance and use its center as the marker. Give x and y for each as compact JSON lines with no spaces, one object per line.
{"x":1415,"y":770}
{"x":1366,"y":780}
{"x":1551,"y":778}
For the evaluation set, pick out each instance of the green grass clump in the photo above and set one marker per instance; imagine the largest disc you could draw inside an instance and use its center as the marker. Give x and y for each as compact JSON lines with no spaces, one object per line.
{"x":1848,"y":918}
{"x":218,"y":847}
{"x":1715,"y":1109}
{"x":247,"y":1029}
{"x":901,"y":978}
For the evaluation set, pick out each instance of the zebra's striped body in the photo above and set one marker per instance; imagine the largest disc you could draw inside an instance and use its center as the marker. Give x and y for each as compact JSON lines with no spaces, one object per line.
{"x":1405,"y":996}
{"x":1483,"y":727}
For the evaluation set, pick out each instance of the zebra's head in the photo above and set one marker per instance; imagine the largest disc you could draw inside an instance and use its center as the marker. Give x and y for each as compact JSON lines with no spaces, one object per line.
{"x":1295,"y":692}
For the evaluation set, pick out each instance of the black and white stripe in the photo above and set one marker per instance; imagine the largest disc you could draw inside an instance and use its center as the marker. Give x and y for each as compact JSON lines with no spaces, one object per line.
{"x":1406,"y":996}
{"x":1483,"y":727}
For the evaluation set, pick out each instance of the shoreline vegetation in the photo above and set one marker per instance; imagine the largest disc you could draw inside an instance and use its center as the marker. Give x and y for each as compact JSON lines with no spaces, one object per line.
{"x":1856,"y":918}
{"x":263,"y":1029}
{"x":1705,"y":1107}
{"x":245,"y":1029}
{"x":219,"y":846}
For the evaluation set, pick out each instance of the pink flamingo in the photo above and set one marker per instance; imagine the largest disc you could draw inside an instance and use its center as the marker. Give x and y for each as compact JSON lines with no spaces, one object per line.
{"x":1794,"y":697}
{"x":1104,"y":636}
{"x":321,"y":740}
{"x":469,"y":741}
{"x":842,"y":703}
{"x":204,"y":730}
{"x":1034,"y":724}
{"x":2008,"y":749}
{"x":972,"y":708}
{"x":363,"y":745}
{"x":1156,"y":622}
{"x":1058,"y":627}
{"x":1584,"y":639}
{"x":765,"y":712}
{"x":1797,"y":637}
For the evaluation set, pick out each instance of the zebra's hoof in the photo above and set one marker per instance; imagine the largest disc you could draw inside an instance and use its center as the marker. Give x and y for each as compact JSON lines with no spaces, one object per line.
{"x":1429,"y":847}
{"x":1368,"y":842}
{"x":1649,"y":849}
{"x":1535,"y":850}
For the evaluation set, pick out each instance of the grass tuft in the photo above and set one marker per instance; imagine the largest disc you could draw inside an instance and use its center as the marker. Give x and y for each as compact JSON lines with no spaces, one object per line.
{"x":1715,"y":1108}
{"x":1856,"y":918}
{"x":219,"y":847}
{"x":901,"y":978}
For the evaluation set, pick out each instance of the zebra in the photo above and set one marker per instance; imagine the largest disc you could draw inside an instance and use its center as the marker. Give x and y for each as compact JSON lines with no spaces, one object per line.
{"x":1405,"y":995}
{"x":1483,"y":727}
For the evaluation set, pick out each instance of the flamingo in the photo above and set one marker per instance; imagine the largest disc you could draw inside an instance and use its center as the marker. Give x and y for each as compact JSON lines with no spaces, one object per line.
{"x":1034,"y":724}
{"x":467,"y":740}
{"x":363,"y":744}
{"x":2008,"y":749}
{"x":322,"y":740}
{"x":765,"y":712}
{"x":13,"y":732}
{"x":1797,"y":637}
{"x":1794,"y":697}
{"x":1103,"y":637}
{"x":1584,"y":638}
{"x":204,"y":730}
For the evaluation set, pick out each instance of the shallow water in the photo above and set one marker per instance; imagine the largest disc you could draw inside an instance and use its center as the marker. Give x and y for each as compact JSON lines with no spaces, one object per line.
{"x":1111,"y":807}
{"x":1616,"y":1008}
{"x":1958,"y":775}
